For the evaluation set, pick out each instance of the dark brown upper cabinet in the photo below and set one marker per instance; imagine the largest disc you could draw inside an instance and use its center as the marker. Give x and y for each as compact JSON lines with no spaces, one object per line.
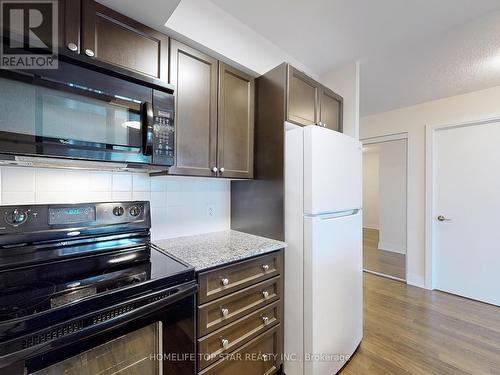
{"x":69,"y":25}
{"x":330,"y":107}
{"x":195,"y":76}
{"x":115,"y":39}
{"x":302,"y":98}
{"x":235,"y":123}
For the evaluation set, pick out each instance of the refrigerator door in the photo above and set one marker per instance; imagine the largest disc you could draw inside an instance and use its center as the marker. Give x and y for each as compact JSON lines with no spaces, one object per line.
{"x":332,"y":171}
{"x":333,"y":294}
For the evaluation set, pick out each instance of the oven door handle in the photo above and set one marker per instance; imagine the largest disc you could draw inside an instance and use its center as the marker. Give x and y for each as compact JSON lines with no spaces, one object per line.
{"x":183,"y":291}
{"x":147,"y":128}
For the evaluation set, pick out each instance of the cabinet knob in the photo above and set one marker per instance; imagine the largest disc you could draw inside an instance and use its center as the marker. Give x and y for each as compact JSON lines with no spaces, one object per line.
{"x":265,"y":320}
{"x":89,"y":52}
{"x":265,"y":294}
{"x":215,"y":170}
{"x":265,"y":267}
{"x":72,"y":47}
{"x":225,"y":312}
{"x":225,"y":343}
{"x":225,"y":281}
{"x":222,"y":170}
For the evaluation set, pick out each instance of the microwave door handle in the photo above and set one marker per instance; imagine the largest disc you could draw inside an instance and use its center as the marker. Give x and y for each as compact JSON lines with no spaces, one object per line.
{"x":183,"y":291}
{"x":147,"y":128}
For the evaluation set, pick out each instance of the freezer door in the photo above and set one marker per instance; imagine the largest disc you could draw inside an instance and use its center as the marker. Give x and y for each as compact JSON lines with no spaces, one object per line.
{"x":333,"y":294}
{"x":332,"y":171}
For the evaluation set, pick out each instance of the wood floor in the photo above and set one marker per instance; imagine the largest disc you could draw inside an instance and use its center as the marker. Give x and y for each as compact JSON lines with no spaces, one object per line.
{"x":410,"y":330}
{"x":386,"y":262}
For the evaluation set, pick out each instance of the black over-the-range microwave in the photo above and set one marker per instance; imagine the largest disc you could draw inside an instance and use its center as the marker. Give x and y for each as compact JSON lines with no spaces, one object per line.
{"x":79,"y":114}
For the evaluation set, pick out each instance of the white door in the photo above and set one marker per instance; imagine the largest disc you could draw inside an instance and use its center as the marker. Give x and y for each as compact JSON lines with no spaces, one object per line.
{"x":467,"y":197}
{"x":333,"y":291}
{"x":332,"y":171}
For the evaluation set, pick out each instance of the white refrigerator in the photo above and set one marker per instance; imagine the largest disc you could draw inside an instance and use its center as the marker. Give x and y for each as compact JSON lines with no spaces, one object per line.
{"x":323,"y":261}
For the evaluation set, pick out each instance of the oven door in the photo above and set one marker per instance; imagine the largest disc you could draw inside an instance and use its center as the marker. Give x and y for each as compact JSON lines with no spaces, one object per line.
{"x":149,"y":335}
{"x":76,"y":113}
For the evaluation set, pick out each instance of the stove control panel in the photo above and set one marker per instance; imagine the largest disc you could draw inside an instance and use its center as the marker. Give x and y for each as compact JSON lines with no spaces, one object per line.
{"x":82,"y":216}
{"x":71,"y":215}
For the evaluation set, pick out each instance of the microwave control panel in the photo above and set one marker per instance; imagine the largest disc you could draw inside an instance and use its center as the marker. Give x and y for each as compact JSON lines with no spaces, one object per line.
{"x":164,"y":131}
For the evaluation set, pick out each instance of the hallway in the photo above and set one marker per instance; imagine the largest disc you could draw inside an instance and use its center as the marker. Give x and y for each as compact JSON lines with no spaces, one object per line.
{"x":410,"y":330}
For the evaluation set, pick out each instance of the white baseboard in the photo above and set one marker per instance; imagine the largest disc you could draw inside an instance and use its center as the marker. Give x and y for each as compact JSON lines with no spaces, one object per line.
{"x":415,"y":280}
{"x":393,"y":247}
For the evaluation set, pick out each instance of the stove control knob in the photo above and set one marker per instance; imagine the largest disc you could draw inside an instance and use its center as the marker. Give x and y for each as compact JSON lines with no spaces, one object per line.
{"x":16,"y":217}
{"x":118,"y":211}
{"x":135,"y":211}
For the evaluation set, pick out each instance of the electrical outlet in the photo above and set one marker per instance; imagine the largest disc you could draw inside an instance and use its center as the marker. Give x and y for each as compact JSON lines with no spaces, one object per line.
{"x":210,"y":210}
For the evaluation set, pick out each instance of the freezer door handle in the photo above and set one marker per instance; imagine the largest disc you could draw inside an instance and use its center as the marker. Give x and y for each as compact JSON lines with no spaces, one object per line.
{"x":335,"y":215}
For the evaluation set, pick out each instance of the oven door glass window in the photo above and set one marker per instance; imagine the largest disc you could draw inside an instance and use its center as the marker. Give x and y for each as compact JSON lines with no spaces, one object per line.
{"x":69,"y":114}
{"x":133,"y":353}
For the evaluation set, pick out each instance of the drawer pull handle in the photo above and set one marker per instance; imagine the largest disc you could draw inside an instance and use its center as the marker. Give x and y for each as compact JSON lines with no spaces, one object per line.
{"x":265,"y":294}
{"x":265,"y":319}
{"x":225,"y":343}
{"x":265,"y":267}
{"x":225,"y":312}
{"x":225,"y":281}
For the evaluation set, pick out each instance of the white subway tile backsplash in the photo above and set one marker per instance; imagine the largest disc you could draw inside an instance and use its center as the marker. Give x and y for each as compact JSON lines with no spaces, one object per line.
{"x":178,"y":204}
{"x":141,"y":182}
{"x":121,"y":196}
{"x":18,"y":180}
{"x":122,"y":181}
{"x":18,"y":197}
{"x":101,"y":181}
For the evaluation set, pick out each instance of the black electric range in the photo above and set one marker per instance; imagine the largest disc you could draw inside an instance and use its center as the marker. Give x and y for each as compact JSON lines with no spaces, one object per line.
{"x":76,"y":279}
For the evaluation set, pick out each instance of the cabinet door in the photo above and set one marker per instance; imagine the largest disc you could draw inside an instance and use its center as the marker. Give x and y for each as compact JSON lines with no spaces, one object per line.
{"x":302,"y":102}
{"x":69,"y":25}
{"x":331,"y":106}
{"x":195,"y":76}
{"x":111,"y":37}
{"x":235,"y":123}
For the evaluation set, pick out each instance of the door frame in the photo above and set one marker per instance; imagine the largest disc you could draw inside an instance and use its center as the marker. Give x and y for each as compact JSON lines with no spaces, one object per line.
{"x":430,"y":131}
{"x":389,"y":138}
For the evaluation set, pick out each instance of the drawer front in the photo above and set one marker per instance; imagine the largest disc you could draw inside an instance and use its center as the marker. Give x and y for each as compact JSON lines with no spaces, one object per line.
{"x":222,"y":281}
{"x":258,"y":357}
{"x":216,"y":314}
{"x":213,"y":346}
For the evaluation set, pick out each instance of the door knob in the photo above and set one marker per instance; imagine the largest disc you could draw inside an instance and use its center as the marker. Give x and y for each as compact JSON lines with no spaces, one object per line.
{"x":442,"y":218}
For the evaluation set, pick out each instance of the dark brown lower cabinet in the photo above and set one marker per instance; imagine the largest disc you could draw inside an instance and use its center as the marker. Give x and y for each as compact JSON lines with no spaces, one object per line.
{"x":258,"y":357}
{"x":240,"y":331}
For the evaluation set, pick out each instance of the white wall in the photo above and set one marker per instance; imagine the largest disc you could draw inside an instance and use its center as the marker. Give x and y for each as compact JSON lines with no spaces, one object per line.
{"x":468,"y":107}
{"x":179,"y":205}
{"x":345,"y":82}
{"x":370,"y":187}
{"x":392,"y":196}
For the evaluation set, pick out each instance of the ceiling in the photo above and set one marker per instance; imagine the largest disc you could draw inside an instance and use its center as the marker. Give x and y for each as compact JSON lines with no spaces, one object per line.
{"x":410,"y":51}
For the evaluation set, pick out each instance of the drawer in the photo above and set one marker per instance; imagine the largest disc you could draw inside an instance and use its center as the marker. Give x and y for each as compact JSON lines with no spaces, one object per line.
{"x":216,"y":314}
{"x":213,"y":346}
{"x":261,"y":356}
{"x":226,"y":280}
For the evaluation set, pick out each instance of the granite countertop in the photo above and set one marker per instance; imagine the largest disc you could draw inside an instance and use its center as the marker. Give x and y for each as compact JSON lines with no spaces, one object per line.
{"x":204,"y":251}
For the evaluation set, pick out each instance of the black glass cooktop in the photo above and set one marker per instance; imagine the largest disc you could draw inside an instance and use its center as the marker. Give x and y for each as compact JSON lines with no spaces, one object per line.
{"x":37,"y":289}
